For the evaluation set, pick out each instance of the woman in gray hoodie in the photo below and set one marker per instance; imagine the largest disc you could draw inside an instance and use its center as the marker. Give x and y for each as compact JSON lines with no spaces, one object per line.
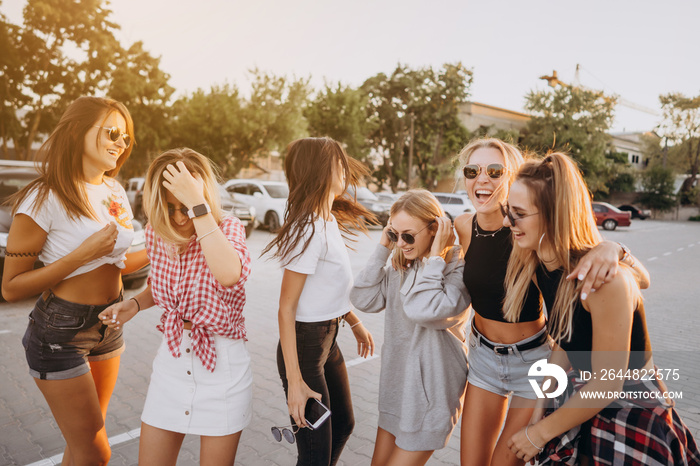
{"x":424,"y":364}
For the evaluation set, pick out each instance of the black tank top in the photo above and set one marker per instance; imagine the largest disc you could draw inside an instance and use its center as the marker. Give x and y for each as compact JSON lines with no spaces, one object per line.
{"x":579,"y":348}
{"x":486,"y":262}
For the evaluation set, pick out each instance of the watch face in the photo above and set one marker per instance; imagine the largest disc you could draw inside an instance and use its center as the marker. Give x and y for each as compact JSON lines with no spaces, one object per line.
{"x":199,"y":210}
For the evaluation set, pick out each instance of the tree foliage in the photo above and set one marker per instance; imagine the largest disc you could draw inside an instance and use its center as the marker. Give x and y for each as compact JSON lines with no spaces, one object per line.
{"x":657,"y":185}
{"x":576,"y":121}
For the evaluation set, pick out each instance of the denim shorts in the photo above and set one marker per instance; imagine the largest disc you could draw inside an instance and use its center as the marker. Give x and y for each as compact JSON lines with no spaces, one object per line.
{"x":505,"y":374}
{"x":62,"y":337}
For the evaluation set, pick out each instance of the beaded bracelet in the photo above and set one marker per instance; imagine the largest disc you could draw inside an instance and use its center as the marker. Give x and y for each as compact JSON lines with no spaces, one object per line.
{"x":540,"y":449}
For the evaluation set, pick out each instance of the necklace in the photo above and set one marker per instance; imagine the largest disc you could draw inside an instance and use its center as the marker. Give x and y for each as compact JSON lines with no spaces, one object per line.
{"x":483,"y":235}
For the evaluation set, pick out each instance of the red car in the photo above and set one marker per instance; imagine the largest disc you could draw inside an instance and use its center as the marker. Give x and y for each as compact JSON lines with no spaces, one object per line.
{"x":610,"y":217}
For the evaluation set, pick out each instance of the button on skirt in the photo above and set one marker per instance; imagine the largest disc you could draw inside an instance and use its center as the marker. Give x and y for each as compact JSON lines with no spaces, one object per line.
{"x":185,"y":397}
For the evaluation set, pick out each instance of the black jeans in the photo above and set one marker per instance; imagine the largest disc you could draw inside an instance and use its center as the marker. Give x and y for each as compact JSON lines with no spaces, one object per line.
{"x":323,"y":369}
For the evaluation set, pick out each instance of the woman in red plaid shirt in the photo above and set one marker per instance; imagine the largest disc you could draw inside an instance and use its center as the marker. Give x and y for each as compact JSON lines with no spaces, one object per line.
{"x":201,"y":381}
{"x":315,"y":292}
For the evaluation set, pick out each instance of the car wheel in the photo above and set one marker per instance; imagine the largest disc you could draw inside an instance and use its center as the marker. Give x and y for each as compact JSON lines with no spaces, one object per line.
{"x":610,"y":224}
{"x":248,"y":229}
{"x":272,"y":221}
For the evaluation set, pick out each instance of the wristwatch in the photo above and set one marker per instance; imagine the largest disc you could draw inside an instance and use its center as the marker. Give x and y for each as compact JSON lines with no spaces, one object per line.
{"x":198,"y":210}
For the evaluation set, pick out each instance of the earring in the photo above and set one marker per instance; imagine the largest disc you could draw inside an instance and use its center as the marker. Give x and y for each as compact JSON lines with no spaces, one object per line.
{"x":539,"y":254}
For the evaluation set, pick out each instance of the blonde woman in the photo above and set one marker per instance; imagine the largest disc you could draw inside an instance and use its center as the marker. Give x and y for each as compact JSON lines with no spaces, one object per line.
{"x":424,"y":363}
{"x":549,"y":213}
{"x":499,"y":398}
{"x":201,"y":382}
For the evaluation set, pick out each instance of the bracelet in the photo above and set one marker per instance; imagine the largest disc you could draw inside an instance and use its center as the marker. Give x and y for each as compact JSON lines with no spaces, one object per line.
{"x":138,"y":306}
{"x":540,"y":449}
{"x":21,"y":254}
{"x":356,"y":324}
{"x":206,"y":234}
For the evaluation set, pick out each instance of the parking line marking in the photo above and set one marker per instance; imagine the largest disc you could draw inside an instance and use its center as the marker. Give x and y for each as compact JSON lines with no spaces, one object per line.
{"x":679,"y":249}
{"x":691,"y":245}
{"x":115,"y":440}
{"x":652,"y":259}
{"x":360,"y":360}
{"x":667,"y":253}
{"x":5,"y":331}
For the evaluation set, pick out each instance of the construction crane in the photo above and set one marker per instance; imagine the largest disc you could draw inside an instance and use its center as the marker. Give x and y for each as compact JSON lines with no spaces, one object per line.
{"x":554,"y":81}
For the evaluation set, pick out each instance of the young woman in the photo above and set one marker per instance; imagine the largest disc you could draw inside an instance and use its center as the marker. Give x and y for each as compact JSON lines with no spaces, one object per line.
{"x":76,"y":218}
{"x":201,"y":382}
{"x":315,"y":292}
{"x":501,"y":351}
{"x":424,"y":361}
{"x":549,"y":213}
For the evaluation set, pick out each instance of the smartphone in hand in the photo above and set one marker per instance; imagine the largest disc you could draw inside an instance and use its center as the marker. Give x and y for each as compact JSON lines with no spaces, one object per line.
{"x":315,"y":413}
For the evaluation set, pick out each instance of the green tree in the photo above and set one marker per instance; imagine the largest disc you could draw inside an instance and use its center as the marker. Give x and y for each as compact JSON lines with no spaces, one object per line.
{"x":11,"y":79}
{"x":574,"y":120}
{"x":140,"y":84}
{"x":340,"y":112}
{"x":681,"y":127}
{"x":657,"y":185}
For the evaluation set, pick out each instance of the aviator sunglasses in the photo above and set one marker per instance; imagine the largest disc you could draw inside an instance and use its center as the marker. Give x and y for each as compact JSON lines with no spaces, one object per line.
{"x":408,"y":238}
{"x":505,"y":210}
{"x":115,"y":133}
{"x":493,"y":170}
{"x":284,"y":431}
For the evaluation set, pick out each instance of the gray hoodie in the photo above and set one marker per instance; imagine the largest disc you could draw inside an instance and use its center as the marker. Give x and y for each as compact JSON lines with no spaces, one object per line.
{"x":424,"y":362}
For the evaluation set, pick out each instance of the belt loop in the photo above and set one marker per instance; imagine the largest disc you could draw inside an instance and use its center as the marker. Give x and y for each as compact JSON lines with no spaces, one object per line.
{"x":49,"y":298}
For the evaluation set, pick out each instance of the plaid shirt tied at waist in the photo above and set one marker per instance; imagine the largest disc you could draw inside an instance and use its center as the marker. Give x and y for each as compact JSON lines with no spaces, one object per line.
{"x":185,"y":288}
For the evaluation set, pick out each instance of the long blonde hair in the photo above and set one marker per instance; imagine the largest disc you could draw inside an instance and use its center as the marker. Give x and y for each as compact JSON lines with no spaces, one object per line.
{"x":419,"y":204}
{"x":155,"y":204}
{"x":61,"y":169}
{"x":558,"y":192}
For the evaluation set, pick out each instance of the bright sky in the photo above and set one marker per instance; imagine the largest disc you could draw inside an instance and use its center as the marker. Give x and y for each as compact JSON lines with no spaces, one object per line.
{"x":637,"y":49}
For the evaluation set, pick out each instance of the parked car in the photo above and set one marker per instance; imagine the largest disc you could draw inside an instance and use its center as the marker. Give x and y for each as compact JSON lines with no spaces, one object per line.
{"x":609,"y":216}
{"x":244,"y":212}
{"x":372,"y":203}
{"x":15,"y":178}
{"x":454,"y":204}
{"x":641,"y":214}
{"x":268,"y":197}
{"x":134,"y":193}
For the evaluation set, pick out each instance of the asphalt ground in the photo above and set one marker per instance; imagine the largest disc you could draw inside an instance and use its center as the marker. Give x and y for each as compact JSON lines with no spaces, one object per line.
{"x":30,"y":436}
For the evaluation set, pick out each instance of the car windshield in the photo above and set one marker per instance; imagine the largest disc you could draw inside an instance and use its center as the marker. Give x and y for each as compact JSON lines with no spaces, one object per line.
{"x":278,"y":191}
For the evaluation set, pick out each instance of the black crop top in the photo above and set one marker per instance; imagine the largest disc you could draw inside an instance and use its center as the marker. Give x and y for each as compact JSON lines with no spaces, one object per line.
{"x":486,"y":262}
{"x":579,"y":348}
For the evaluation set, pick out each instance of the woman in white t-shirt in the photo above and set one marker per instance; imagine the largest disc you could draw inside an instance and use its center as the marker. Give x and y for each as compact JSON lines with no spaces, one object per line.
{"x":76,"y":218}
{"x":315,"y":293}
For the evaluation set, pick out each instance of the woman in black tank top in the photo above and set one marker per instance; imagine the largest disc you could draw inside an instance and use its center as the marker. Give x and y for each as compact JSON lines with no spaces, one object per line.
{"x":550,"y":216}
{"x":502,"y":351}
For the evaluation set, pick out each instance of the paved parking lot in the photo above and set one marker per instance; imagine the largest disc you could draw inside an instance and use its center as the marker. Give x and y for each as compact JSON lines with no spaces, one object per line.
{"x":29,"y":435}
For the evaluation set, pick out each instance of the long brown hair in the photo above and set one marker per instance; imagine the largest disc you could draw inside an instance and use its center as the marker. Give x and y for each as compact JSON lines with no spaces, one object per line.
{"x":62,"y":168}
{"x":155,"y":204}
{"x":556,"y":188}
{"x":420,"y":204}
{"x":310,"y":166}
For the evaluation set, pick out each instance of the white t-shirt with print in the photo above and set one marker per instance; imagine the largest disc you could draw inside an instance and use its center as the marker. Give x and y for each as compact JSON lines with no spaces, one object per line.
{"x":326,"y":292}
{"x":64,"y":235}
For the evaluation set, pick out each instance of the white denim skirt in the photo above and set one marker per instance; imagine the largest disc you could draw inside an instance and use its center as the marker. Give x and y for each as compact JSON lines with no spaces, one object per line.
{"x":185,"y":397}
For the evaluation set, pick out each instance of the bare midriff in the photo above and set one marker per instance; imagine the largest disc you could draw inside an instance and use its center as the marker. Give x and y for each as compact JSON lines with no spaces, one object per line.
{"x":507,"y":332}
{"x":96,"y":287}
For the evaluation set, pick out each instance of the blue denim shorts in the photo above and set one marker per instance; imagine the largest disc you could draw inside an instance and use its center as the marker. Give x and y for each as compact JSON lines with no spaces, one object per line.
{"x":62,"y":337}
{"x":505,"y":374}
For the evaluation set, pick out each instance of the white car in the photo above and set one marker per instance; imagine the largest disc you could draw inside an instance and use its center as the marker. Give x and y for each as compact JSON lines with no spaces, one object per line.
{"x":454,"y":204}
{"x":268,"y":197}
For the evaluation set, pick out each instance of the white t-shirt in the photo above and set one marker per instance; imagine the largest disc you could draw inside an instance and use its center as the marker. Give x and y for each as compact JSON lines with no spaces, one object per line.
{"x":326,"y":293}
{"x":64,"y":235}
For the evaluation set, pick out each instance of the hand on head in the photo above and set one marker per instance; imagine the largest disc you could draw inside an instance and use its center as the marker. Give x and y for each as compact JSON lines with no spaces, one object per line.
{"x":444,"y":236}
{"x":187,"y":188}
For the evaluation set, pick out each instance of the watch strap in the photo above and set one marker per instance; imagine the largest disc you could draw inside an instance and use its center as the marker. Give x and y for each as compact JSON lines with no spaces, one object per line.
{"x":199,"y":210}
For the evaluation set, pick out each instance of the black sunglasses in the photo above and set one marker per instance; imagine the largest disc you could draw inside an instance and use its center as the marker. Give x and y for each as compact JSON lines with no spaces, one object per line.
{"x":283,"y":431}
{"x":408,"y":238}
{"x":494,"y":170}
{"x":172,"y":210}
{"x":115,"y":133}
{"x":505,"y":210}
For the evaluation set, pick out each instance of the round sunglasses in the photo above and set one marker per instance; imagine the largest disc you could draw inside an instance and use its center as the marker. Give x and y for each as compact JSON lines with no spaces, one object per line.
{"x":115,"y":133}
{"x":493,"y":170}
{"x":408,"y":238}
{"x":505,"y":210}
{"x":284,"y":431}
{"x":172,"y":210}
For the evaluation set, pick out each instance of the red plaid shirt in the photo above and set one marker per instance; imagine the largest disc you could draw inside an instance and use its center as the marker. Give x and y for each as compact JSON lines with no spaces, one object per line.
{"x":184,"y":287}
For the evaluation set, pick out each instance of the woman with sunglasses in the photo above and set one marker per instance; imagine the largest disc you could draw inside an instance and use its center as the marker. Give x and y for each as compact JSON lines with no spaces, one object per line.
{"x":604,"y":334}
{"x":201,"y":382}
{"x":501,"y":352}
{"x":76,"y":219}
{"x":424,"y":364}
{"x":315,"y":292}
